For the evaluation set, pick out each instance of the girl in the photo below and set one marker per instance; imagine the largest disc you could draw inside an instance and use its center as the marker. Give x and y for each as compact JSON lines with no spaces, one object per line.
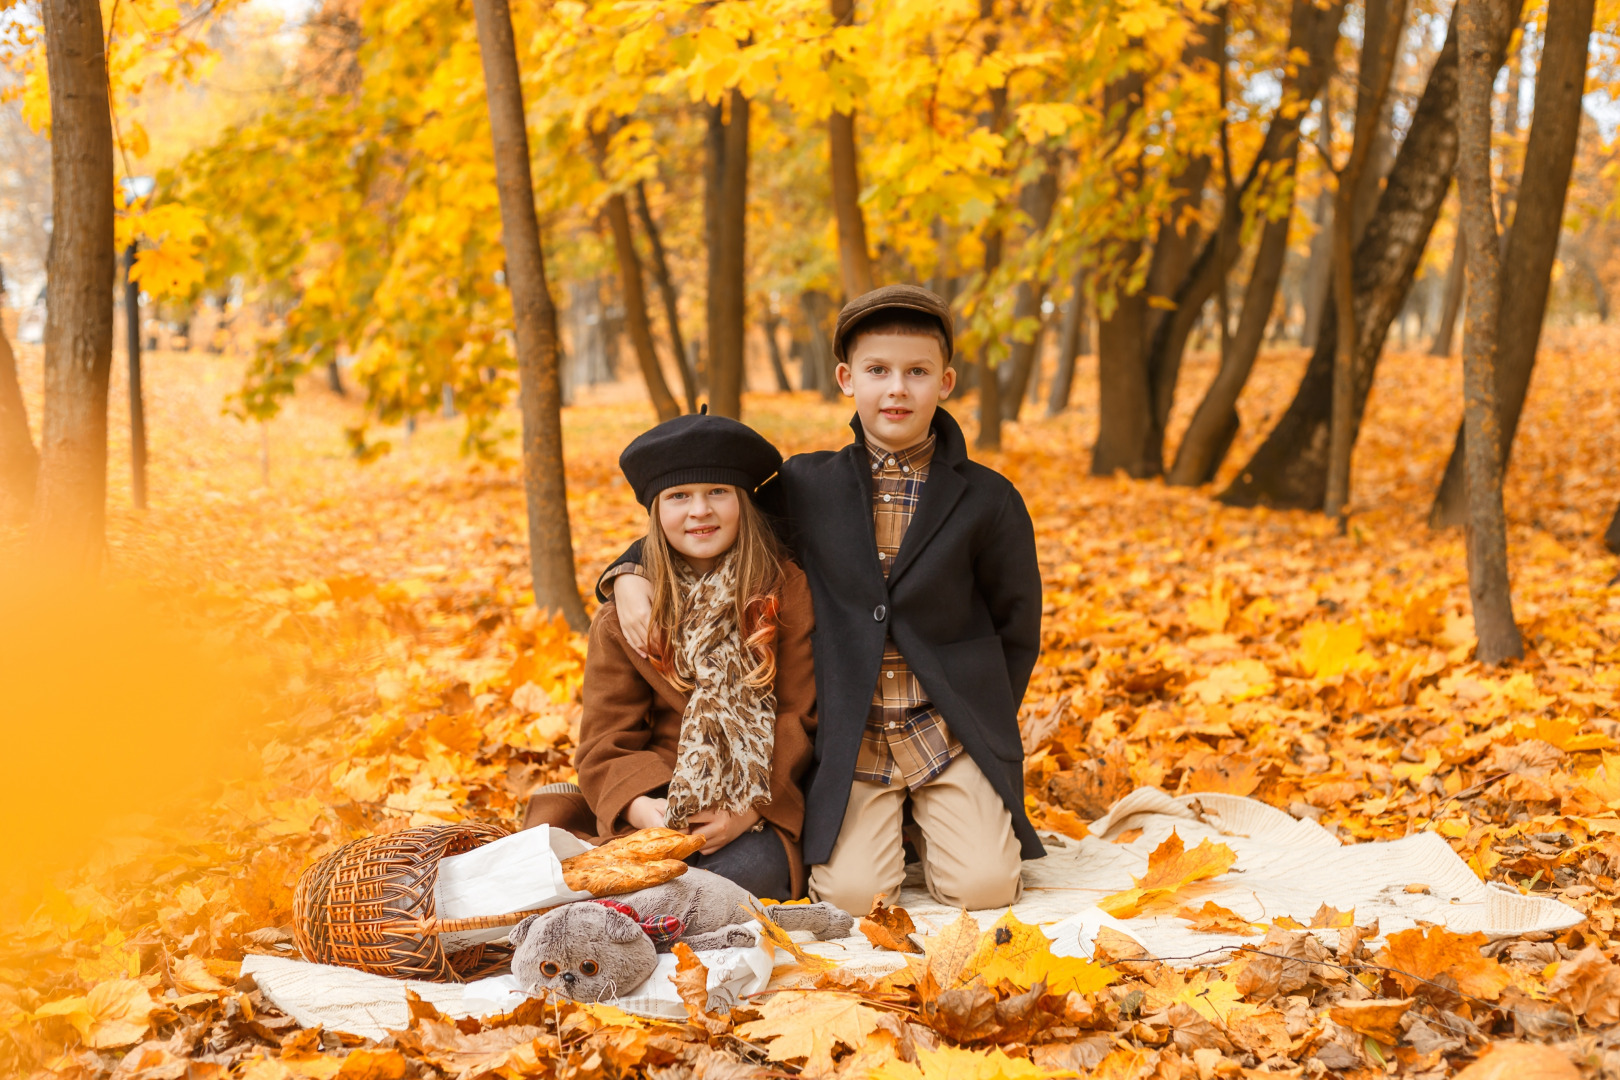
{"x":711,"y":730}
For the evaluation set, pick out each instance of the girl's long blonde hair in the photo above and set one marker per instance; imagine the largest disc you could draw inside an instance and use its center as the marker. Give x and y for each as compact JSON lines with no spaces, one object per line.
{"x":759,"y":558}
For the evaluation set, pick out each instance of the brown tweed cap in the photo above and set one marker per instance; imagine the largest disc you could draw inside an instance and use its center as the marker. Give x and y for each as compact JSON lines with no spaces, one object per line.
{"x":889,"y":298}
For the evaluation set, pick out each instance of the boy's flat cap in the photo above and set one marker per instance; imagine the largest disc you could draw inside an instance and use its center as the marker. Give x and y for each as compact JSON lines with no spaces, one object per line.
{"x":697,"y":449}
{"x":891,"y":298}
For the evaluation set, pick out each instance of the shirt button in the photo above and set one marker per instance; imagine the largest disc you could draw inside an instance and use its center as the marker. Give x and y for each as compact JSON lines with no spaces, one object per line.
{"x":892,"y":724}
{"x":888,"y":498}
{"x":880,"y":613}
{"x":888,"y":674}
{"x":889,"y":462}
{"x":881,"y":556}
{"x":905,"y":468}
{"x":874,"y":466}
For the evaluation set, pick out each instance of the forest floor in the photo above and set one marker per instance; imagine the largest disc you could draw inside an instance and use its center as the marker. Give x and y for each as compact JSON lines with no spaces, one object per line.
{"x":386,"y":668}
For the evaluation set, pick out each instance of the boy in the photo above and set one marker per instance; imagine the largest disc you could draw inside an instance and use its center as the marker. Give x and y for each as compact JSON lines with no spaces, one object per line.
{"x":928,"y":610}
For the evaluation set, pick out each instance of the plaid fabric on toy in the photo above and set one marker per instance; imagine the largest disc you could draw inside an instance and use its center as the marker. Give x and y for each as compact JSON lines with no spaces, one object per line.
{"x":663,"y":930}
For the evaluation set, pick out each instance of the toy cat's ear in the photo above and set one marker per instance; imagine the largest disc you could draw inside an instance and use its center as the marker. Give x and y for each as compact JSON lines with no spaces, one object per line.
{"x":623,"y":929}
{"x":520,"y":931}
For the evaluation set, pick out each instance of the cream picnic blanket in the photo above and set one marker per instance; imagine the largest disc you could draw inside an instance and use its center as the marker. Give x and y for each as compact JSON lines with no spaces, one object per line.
{"x":1284,"y":867}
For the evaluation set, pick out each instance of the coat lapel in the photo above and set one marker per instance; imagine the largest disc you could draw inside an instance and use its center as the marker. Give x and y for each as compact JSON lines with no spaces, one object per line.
{"x":854,"y":519}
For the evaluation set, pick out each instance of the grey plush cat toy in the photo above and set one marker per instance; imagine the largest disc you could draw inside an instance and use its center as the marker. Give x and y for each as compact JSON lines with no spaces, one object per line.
{"x":593,"y":950}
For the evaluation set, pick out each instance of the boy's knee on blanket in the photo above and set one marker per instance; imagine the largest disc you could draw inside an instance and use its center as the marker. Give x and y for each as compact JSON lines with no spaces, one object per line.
{"x":993,"y":879}
{"x":852,"y":892}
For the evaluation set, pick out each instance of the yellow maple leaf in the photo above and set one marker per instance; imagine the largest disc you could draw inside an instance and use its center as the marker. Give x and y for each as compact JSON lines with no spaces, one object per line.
{"x":113,"y":1013}
{"x":1422,"y":957}
{"x":809,"y":1025}
{"x":1046,"y":119}
{"x":1215,"y":998}
{"x":1233,"y":774}
{"x":1214,"y":919}
{"x":952,"y":1063}
{"x":1044,"y":815}
{"x":1521,"y":1061}
{"x":1237,"y":680}
{"x":1210,"y":615}
{"x":949,"y":951}
{"x":1018,"y":952}
{"x":774,"y":937}
{"x":1327,"y":650}
{"x":1564,"y":733}
{"x":192,"y":976}
{"x":1171,"y":868}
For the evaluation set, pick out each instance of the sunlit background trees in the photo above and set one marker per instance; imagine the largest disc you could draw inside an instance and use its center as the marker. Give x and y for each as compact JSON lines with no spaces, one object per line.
{"x":1127,"y":180}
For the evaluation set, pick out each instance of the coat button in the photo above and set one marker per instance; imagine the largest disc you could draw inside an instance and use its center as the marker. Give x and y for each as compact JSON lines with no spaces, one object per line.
{"x":880,"y":613}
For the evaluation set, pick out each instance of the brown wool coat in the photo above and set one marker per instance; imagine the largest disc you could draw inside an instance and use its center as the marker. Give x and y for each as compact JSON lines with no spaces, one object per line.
{"x":632,"y":723}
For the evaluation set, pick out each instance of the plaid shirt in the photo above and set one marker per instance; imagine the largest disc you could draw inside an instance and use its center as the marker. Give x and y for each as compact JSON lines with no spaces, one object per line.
{"x":904,"y":731}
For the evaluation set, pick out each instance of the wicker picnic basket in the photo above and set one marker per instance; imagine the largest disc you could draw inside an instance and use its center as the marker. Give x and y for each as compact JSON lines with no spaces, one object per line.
{"x":370,"y":905}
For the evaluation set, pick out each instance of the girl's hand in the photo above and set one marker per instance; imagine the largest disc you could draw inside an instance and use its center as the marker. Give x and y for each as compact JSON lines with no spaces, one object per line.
{"x":720,"y":827}
{"x":645,"y":813}
{"x":632,"y":595}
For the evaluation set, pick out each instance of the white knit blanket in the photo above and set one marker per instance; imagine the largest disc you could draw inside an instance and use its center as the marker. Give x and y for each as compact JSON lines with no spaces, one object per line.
{"x":1284,"y":867}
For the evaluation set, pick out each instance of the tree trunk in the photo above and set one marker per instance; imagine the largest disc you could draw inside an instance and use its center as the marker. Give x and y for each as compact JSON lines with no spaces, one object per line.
{"x":1037,"y":200}
{"x":1383,"y":22}
{"x":854,"y":259}
{"x":726,"y":203}
{"x":990,"y":379}
{"x":1508,"y":190}
{"x":71,"y":500}
{"x":1290,"y":467}
{"x":1318,"y":267}
{"x":818,"y":354}
{"x":1380,"y":156}
{"x":1316,"y":31}
{"x":635,"y":310}
{"x":19,"y":461}
{"x":666,"y":291}
{"x":1532,"y":242}
{"x":1124,"y":392}
{"x":551,"y":546}
{"x":772,"y":323}
{"x":714,"y":162}
{"x":634,"y":293}
{"x":1074,"y":341}
{"x":1451,"y":302}
{"x":1176,"y":246}
{"x":137,"y":400}
{"x":1611,"y":538}
{"x":1488,"y":584}
{"x":1215,"y":424}
{"x":334,"y":378}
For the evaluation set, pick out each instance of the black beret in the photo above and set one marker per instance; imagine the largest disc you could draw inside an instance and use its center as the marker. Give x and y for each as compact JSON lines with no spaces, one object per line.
{"x":697,"y":449}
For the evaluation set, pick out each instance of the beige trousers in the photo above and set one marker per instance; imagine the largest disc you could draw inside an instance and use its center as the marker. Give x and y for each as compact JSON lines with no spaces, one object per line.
{"x":969,"y":854}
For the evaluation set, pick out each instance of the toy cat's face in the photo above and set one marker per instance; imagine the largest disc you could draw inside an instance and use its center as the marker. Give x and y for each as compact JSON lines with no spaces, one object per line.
{"x":583,"y":952}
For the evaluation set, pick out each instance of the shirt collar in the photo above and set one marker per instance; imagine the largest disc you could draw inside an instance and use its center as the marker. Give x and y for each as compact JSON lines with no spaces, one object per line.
{"x":912,"y":457}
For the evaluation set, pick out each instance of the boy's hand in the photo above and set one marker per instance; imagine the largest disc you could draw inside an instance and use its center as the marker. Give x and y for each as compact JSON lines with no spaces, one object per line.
{"x":646,"y":813}
{"x":632,"y":594}
{"x":720,"y":827}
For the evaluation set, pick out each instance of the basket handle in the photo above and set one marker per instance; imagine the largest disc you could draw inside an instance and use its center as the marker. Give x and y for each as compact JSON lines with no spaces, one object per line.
{"x":479,"y":922}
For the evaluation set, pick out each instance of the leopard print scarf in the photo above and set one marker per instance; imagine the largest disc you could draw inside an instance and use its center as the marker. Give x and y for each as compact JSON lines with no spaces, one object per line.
{"x":728,"y":733}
